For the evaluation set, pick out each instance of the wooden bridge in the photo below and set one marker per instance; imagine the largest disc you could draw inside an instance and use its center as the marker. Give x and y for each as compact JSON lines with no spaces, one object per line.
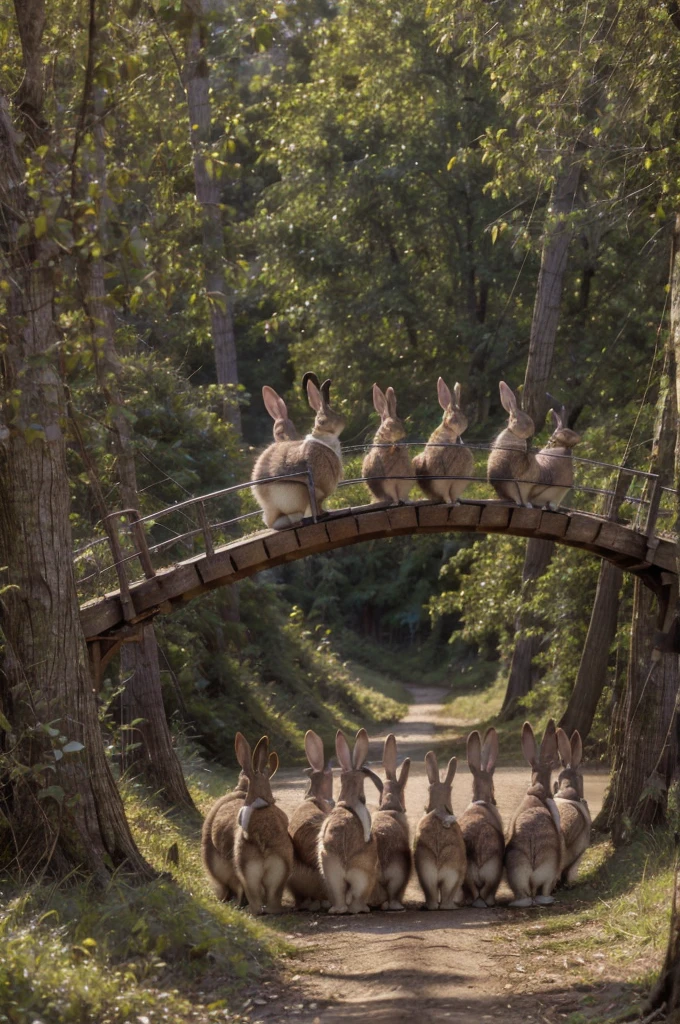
{"x":112,"y":619}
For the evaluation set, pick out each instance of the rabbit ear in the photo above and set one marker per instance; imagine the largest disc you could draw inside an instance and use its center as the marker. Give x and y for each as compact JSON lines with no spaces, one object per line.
{"x":261,"y":754}
{"x":508,"y":400}
{"x":307,"y":377}
{"x":272,"y":764}
{"x":403,"y":773}
{"x":549,"y":744}
{"x":456,"y":393}
{"x":576,"y":748}
{"x":443,"y":393}
{"x":326,"y":391}
{"x":391,"y":397}
{"x":451,"y":771}
{"x":314,"y":750}
{"x":431,"y":767}
{"x":529,"y":748}
{"x":360,"y":749}
{"x":243,"y":754}
{"x":555,"y":419}
{"x":272,"y":403}
{"x":379,"y":402}
{"x":343,"y":752}
{"x":564,"y":747}
{"x":390,"y":756}
{"x":474,"y":751}
{"x":375,"y":779}
{"x":490,"y":750}
{"x":314,"y":396}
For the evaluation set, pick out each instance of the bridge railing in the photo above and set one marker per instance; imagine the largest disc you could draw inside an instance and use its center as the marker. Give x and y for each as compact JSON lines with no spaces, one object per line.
{"x":132,"y":545}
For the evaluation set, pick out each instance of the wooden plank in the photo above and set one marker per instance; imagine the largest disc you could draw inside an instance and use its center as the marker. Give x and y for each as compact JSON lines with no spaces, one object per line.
{"x":248,"y":553}
{"x":403,"y":517}
{"x":465,"y":517}
{"x":525,"y":519}
{"x":582,"y":529}
{"x":665,"y":556}
{"x":312,"y":537}
{"x":101,"y":615}
{"x":219,"y":567}
{"x":342,"y":529}
{"x":165,"y":585}
{"x":553,"y":524}
{"x":433,"y":515}
{"x":494,"y":517}
{"x":613,"y":537}
{"x":373,"y":522}
{"x":280,"y":542}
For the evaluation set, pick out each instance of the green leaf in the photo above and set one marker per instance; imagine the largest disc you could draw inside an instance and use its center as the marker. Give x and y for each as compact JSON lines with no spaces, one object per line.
{"x":494,"y":234}
{"x":40,"y":225}
{"x":52,"y":793}
{"x":4,"y":724}
{"x":451,"y":163}
{"x":72,"y":747}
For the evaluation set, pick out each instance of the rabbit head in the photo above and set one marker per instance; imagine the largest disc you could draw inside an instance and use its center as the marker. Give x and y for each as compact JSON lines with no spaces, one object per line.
{"x":283,"y":429}
{"x":569,"y":783}
{"x":542,"y":761}
{"x":328,"y":422}
{"x":353,"y":777}
{"x":320,"y":774}
{"x":439,"y":793}
{"x":482,"y":762}
{"x":562,"y":436}
{"x":519,"y":422}
{"x":392,"y":790}
{"x":258,"y":767}
{"x":454,"y":420}
{"x":391,"y":428}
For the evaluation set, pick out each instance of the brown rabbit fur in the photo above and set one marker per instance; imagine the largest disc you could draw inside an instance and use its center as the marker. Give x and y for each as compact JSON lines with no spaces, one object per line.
{"x":439,"y":461}
{"x":439,"y":853}
{"x":348,"y":853}
{"x":263,"y":850}
{"x":306,"y":881}
{"x":512,"y":469}
{"x":286,"y":502}
{"x":391,"y":831}
{"x":533,"y":854}
{"x":481,"y":824}
{"x":283,"y":429}
{"x":391,"y":463}
{"x":219,"y":830}
{"x":556,"y":468}
{"x":571,"y":804}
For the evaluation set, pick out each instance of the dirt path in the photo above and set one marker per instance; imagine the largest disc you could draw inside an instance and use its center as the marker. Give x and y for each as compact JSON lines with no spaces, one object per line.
{"x":413,"y":966}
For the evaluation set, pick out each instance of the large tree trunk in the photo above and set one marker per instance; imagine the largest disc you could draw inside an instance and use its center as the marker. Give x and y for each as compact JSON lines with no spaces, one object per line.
{"x":536,"y":561}
{"x":64,"y":809}
{"x":197,"y":81}
{"x":592,"y":670}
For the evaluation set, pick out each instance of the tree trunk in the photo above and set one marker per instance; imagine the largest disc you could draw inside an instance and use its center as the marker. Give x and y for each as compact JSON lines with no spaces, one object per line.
{"x":62,"y":808}
{"x":536,"y":561}
{"x":549,"y":291}
{"x":592,"y":670}
{"x":196,"y":80}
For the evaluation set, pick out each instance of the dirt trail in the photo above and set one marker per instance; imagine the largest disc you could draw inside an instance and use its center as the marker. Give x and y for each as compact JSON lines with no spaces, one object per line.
{"x":411,"y":966}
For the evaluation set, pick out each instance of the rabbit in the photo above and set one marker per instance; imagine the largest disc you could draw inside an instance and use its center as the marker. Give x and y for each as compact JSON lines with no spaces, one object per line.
{"x":348,"y":852}
{"x":286,"y":502}
{"x":512,"y":470}
{"x":438,"y":461}
{"x":481,"y":823}
{"x":306,"y":882}
{"x":388,"y":465}
{"x":283,"y":429}
{"x":263,"y":850}
{"x":533,"y":854}
{"x":556,"y":469}
{"x":571,"y":805}
{"x":391,"y":831}
{"x":219,"y":830}
{"x":439,"y":853}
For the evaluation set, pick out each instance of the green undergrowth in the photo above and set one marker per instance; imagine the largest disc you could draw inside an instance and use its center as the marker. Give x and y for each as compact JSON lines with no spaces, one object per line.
{"x":606,"y":936}
{"x":165,"y":950}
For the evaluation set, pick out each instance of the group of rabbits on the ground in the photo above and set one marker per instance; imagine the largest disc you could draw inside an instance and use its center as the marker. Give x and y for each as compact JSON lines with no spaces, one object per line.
{"x":443,"y":469}
{"x":340,"y":857}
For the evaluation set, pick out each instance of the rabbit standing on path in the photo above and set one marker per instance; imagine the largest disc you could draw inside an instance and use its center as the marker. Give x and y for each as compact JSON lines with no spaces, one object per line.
{"x":440,"y":849}
{"x":481,"y":823}
{"x":571,"y":805}
{"x":306,"y":881}
{"x":391,"y":831}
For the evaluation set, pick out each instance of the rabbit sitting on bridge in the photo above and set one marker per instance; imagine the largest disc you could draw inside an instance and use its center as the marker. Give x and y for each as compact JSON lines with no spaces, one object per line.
{"x":556,"y":469}
{"x":445,"y":465}
{"x":512,"y":469}
{"x":388,"y":470}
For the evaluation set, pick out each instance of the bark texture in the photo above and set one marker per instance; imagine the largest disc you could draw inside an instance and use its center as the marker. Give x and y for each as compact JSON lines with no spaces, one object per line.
{"x":197,"y":84}
{"x":45,"y":689}
{"x":592,"y":670}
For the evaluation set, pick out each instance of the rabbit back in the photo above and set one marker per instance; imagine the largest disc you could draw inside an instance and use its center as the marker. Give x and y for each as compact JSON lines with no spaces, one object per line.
{"x":387,"y":465}
{"x":306,"y":881}
{"x":217,"y":844}
{"x":342,"y":836}
{"x":511,"y":469}
{"x":533,"y":854}
{"x":556,"y":477}
{"x":267,"y":836}
{"x":391,"y":832}
{"x":444,"y":844}
{"x":575,"y":823}
{"x":436,"y":462}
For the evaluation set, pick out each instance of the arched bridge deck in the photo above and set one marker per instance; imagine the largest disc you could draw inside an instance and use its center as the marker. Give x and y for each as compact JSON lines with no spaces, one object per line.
{"x":652,"y":558}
